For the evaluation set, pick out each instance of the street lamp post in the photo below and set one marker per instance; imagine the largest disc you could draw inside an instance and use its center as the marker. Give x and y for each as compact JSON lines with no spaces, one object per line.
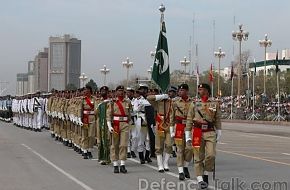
{"x":265,"y":43}
{"x":239,"y":36}
{"x":150,"y":71}
{"x":127,"y":64}
{"x":184,"y":63}
{"x":219,"y":54}
{"x":105,"y":71}
{"x":83,"y":78}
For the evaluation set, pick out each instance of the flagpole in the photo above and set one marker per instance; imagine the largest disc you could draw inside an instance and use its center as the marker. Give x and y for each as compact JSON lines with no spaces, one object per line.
{"x":253,"y":116}
{"x":232,"y":92}
{"x":278,"y":117}
{"x":212,"y":90}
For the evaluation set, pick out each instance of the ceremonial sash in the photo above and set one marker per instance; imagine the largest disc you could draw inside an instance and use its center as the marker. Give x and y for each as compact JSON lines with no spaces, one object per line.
{"x":88,"y":101}
{"x":159,"y":123}
{"x":86,"y":112}
{"x":196,"y":137}
{"x":179,"y":130}
{"x":116,"y":123}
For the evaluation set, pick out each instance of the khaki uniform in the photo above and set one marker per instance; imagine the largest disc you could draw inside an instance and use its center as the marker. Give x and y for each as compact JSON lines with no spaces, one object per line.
{"x":177,"y":123}
{"x":120,"y":122}
{"x":49,"y":110}
{"x":88,"y":119}
{"x":163,"y":141}
{"x":56,"y":108}
{"x":204,"y":156}
{"x":63,"y":128}
{"x":78,"y":114}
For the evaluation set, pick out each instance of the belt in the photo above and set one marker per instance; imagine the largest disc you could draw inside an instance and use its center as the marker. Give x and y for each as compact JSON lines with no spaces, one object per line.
{"x":205,"y":128}
{"x":183,"y":121}
{"x":118,"y":118}
{"x":89,"y":112}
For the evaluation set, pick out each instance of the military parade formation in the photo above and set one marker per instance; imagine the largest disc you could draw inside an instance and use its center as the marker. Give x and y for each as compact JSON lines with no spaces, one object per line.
{"x":125,"y":123}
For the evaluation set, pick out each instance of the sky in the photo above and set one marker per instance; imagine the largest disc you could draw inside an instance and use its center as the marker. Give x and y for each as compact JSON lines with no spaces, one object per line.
{"x":111,"y":30}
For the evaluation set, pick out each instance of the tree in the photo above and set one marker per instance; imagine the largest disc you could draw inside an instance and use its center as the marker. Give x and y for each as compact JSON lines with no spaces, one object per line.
{"x":93,"y":84}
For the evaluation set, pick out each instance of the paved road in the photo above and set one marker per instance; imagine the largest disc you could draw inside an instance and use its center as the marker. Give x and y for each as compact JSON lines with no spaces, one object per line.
{"x":256,"y":155}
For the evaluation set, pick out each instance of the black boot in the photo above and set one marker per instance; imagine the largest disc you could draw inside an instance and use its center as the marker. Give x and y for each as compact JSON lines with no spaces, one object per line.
{"x":123,"y":169}
{"x":202,"y":185}
{"x":133,"y":154}
{"x":147,"y":156}
{"x":116,"y":169}
{"x":141,"y":157}
{"x":205,"y":178}
{"x":181,"y":176}
{"x":128,"y":155}
{"x":90,"y":156}
{"x":186,"y":172}
{"x":173,"y":154}
{"x":86,"y":156}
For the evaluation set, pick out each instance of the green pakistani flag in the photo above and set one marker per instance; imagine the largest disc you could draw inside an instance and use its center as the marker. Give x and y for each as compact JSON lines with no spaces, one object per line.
{"x":160,"y":73}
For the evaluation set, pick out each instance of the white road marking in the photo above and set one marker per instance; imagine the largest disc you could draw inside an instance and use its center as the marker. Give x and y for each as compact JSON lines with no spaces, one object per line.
{"x":169,"y":173}
{"x":286,"y":154}
{"x":80,"y":183}
{"x":254,"y":157}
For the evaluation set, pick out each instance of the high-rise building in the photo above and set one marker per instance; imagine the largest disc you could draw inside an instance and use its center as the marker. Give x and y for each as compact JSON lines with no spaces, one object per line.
{"x":22,"y":84}
{"x":31,"y":77}
{"x":286,"y":54}
{"x":41,"y":71}
{"x":64,"y":62}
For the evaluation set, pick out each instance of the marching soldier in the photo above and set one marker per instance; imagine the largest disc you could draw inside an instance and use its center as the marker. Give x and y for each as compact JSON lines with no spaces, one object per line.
{"x":172,"y":95}
{"x":204,"y":118}
{"x":130,"y":92}
{"x":163,"y":141}
{"x":177,"y":128}
{"x":88,"y":120}
{"x":141,"y":124}
{"x":102,"y":133}
{"x":118,"y":120}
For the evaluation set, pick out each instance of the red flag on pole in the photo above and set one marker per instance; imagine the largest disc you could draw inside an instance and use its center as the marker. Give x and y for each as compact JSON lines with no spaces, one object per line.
{"x":210,"y":74}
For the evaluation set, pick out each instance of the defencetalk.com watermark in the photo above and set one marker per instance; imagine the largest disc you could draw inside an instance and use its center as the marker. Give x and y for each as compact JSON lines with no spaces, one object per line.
{"x":231,"y":184}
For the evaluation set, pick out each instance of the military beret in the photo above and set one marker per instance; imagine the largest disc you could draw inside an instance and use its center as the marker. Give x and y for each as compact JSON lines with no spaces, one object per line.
{"x":183,"y":86}
{"x":172,"y":88}
{"x":104,"y":88}
{"x":120,"y":87}
{"x":206,"y":86}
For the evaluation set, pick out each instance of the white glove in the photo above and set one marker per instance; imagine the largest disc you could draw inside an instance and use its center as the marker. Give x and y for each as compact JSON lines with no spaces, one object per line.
{"x":188,"y":136}
{"x":161,"y":97}
{"x":79,"y":121}
{"x":172,"y":132}
{"x":109,"y":124}
{"x":218,"y":135}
